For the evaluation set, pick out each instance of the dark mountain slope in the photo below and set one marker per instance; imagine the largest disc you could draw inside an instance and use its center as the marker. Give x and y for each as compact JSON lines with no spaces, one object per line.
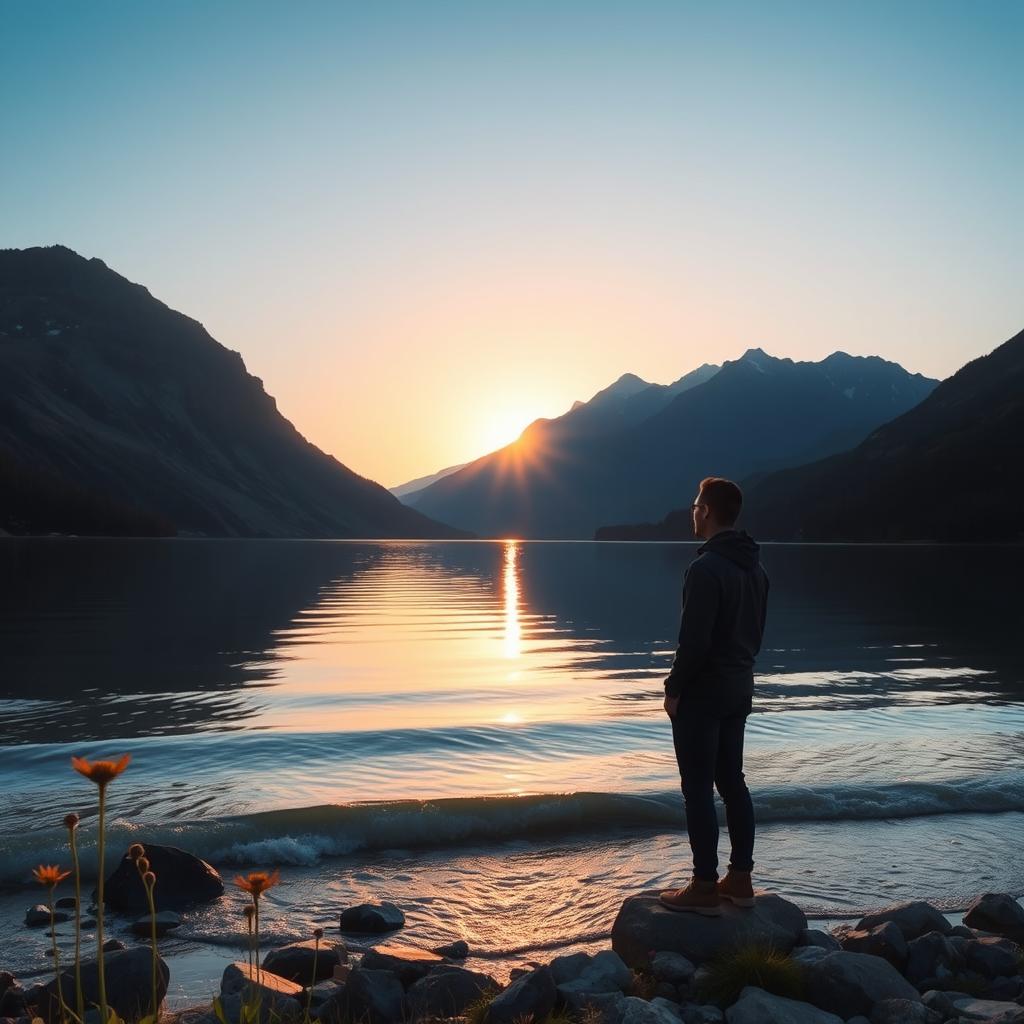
{"x":951,"y":469}
{"x":110,"y":394}
{"x":756,"y":413}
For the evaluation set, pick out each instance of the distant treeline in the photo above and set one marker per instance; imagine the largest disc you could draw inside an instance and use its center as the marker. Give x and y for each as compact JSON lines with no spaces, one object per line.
{"x":34,"y":502}
{"x":677,"y":525}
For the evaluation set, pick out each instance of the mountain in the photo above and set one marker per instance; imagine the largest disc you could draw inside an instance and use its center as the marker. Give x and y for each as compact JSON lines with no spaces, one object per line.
{"x":951,"y":469}
{"x":411,"y":486}
{"x":626,"y":401}
{"x":120,"y":415}
{"x":755,"y":414}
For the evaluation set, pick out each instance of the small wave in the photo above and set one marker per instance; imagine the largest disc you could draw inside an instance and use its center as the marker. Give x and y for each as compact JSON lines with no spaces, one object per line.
{"x":305,"y":835}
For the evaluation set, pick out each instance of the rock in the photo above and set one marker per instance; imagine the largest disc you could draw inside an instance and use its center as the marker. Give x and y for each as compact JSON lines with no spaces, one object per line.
{"x":913,"y":919}
{"x":850,"y":983}
{"x":529,"y":998}
{"x":668,"y":1004}
{"x":13,"y":1002}
{"x":407,"y":963}
{"x":603,"y":973}
{"x":372,"y":918}
{"x":809,"y":954}
{"x":859,"y":1019}
{"x":962,"y":931}
{"x":884,"y":940}
{"x":165,"y":920}
{"x":816,"y":937}
{"x":999,"y":913}
{"x":674,"y":967}
{"x":640,"y":1011}
{"x":295,"y":961}
{"x":706,"y":1014}
{"x":113,"y":945}
{"x":606,"y":1006}
{"x":665,"y":990}
{"x":989,"y":1010}
{"x":457,"y":950}
{"x":447,"y":990}
{"x":181,"y":880}
{"x":568,"y":967}
{"x":66,"y":903}
{"x":40,"y":915}
{"x":939,"y":1002}
{"x":319,"y":994}
{"x":643,"y":924}
{"x":755,"y":1006}
{"x":6,"y":981}
{"x":1007,"y":989}
{"x":903,"y":1011}
{"x":375,"y":997}
{"x":929,"y":956}
{"x":87,"y":922}
{"x":279,"y":998}
{"x":993,"y":956}
{"x":128,"y":978}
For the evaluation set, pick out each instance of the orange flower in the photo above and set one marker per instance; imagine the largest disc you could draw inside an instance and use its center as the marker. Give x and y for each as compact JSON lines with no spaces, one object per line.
{"x":50,"y":875}
{"x":257,"y":882}
{"x":100,"y":772}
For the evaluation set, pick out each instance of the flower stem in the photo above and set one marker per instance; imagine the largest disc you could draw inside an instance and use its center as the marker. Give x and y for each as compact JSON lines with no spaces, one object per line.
{"x":56,"y":959}
{"x":79,"y":998}
{"x":312,"y":980}
{"x":101,"y":978}
{"x":152,"y":924}
{"x":256,"y":903}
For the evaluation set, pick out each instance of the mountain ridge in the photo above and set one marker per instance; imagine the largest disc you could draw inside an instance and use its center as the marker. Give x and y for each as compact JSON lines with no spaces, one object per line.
{"x":110,"y":393}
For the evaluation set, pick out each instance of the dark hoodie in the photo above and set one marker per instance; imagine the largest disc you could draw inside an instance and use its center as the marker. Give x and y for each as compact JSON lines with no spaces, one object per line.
{"x":725,"y":598}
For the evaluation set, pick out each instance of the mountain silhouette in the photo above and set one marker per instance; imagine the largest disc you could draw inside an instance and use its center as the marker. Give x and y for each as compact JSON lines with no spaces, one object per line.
{"x":948,"y":470}
{"x":565,"y":478}
{"x":120,"y":415}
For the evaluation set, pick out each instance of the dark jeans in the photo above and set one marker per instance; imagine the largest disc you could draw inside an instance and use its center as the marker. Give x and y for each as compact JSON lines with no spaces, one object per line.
{"x":709,"y":749}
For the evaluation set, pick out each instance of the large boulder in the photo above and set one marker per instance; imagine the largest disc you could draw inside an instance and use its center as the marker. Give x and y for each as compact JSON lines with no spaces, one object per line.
{"x":849,"y":983}
{"x":372,"y":918}
{"x":128,"y":975}
{"x":447,"y":990}
{"x":989,"y":1010}
{"x":528,"y":1000}
{"x":998,"y":913}
{"x":913,"y":919}
{"x":643,"y":924}
{"x":884,"y":940}
{"x":306,"y":962}
{"x":407,"y":963}
{"x":755,"y":1006}
{"x":181,"y":880}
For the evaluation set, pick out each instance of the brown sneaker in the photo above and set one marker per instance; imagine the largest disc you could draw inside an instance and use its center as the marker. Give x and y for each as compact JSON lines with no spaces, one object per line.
{"x":736,"y":888}
{"x":698,"y":896}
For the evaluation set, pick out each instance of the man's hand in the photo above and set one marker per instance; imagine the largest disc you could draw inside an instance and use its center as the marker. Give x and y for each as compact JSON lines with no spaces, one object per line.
{"x":671,"y":704}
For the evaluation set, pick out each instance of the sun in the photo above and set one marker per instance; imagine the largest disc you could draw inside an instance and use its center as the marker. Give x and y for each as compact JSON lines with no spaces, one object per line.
{"x":501,"y":427}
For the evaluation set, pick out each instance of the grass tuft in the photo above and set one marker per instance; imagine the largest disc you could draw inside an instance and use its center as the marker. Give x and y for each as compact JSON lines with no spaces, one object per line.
{"x":758,"y":965}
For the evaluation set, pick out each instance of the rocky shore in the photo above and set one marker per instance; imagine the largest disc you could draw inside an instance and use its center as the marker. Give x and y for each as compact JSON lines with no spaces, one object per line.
{"x":759,"y":965}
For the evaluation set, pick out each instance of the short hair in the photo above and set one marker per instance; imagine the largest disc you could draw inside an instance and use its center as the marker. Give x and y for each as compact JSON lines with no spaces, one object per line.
{"x":723,"y":498}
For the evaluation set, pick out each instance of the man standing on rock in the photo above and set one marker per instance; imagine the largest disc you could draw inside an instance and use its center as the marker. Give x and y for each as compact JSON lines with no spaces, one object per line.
{"x":708,"y":696}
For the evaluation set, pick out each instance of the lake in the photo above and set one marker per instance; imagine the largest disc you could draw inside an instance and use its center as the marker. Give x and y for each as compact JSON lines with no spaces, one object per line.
{"x":474,"y":730}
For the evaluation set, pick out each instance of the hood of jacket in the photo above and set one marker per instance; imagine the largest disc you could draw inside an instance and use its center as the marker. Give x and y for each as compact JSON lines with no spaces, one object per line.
{"x":736,"y":545}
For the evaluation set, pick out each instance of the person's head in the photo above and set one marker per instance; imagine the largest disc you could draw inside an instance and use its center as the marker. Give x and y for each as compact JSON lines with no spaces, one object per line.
{"x":716,"y":508}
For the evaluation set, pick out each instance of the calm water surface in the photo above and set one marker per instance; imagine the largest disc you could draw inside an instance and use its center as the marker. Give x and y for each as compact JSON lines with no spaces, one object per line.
{"x":475,"y":729}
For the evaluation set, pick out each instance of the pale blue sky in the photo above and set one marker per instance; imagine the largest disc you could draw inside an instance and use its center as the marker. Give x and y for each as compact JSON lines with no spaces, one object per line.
{"x":423,"y":224}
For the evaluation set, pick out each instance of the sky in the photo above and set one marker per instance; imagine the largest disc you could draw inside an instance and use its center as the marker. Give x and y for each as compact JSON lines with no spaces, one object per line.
{"x":425,"y":224}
